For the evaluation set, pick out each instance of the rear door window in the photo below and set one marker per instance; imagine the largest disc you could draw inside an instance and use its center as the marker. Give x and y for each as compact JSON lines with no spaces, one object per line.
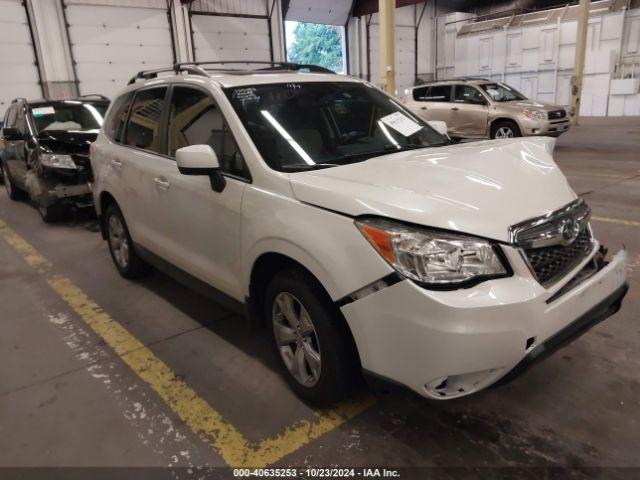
{"x":437,"y":93}
{"x":144,"y":128}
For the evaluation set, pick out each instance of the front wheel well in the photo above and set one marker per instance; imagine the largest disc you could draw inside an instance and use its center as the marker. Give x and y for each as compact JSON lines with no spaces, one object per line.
{"x":106,"y":199}
{"x":264,"y":269}
{"x":497,"y":120}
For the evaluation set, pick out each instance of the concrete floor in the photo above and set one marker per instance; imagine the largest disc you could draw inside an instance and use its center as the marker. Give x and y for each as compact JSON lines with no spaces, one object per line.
{"x":66,"y":399}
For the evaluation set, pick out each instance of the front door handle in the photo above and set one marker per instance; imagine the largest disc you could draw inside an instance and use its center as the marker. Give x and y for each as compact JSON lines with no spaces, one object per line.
{"x":423,"y":108}
{"x":455,"y":109}
{"x":117,"y":164}
{"x":162,"y":183}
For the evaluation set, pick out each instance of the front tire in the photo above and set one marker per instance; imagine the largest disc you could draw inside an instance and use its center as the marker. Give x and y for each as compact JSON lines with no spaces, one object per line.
{"x":313,"y":345}
{"x":505,"y":129}
{"x":123,"y":252}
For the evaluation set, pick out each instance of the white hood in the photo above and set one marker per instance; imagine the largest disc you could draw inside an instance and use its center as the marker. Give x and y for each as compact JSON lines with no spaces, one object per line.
{"x":480,"y":188}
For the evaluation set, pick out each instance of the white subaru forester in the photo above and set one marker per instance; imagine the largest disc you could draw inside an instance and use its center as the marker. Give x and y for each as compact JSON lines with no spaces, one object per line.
{"x":358,"y":233}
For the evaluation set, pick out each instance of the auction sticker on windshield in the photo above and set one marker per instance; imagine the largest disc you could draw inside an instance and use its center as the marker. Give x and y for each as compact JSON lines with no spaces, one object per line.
{"x":41,"y":111}
{"x":401,"y":123}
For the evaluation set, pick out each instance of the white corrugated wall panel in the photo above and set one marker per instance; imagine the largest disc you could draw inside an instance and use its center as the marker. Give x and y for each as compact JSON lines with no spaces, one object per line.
{"x":111,"y":44}
{"x":19,"y":76}
{"x":230,"y":38}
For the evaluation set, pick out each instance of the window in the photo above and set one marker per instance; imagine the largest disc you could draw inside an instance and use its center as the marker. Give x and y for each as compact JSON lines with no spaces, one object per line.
{"x":196,"y":120}
{"x":438,"y":93}
{"x":118,"y":115}
{"x":468,"y":94}
{"x":68,"y":116}
{"x":143,"y":129}
{"x":500,"y":92}
{"x":10,"y":118}
{"x":300,"y":125}
{"x":420,"y":93}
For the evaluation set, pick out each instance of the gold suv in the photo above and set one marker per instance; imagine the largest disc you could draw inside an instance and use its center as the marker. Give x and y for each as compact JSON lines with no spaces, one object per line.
{"x":476,"y":108}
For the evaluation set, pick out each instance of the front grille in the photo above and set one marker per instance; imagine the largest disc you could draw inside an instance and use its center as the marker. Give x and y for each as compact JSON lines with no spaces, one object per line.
{"x":551,"y":263}
{"x":557,"y":114}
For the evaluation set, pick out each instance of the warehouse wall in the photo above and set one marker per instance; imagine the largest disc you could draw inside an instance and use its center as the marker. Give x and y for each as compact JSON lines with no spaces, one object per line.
{"x":535,"y":53}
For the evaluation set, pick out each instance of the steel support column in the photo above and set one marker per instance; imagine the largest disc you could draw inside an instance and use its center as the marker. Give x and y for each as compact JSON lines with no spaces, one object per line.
{"x":387,"y":45}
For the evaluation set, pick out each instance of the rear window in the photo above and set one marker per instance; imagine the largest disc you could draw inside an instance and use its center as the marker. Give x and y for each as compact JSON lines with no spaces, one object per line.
{"x":69,"y":116}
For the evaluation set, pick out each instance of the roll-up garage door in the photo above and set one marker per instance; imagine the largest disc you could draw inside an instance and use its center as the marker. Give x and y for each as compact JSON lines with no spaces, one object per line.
{"x":110,"y":44}
{"x":405,"y":56}
{"x":18,"y":70}
{"x":219,"y":37}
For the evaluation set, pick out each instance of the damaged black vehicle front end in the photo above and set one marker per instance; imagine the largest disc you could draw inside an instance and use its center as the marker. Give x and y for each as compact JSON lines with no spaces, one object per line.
{"x":57,"y":173}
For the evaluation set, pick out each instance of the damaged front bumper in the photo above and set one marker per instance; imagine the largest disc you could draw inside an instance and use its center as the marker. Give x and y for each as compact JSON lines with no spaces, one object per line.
{"x":49,"y":189}
{"x":447,"y":344}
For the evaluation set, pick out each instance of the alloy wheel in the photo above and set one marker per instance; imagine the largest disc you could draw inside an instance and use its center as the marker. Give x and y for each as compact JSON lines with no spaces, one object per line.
{"x":296,"y":339}
{"x":504,"y":132}
{"x":118,"y":241}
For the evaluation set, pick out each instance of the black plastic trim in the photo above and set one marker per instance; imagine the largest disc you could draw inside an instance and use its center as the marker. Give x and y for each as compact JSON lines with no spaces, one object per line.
{"x":607,"y":307}
{"x":190,"y":281}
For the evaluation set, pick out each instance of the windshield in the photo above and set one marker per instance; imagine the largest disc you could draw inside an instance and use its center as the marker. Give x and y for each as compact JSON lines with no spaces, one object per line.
{"x":323,"y":124}
{"x":69,"y":116}
{"x":500,"y":92}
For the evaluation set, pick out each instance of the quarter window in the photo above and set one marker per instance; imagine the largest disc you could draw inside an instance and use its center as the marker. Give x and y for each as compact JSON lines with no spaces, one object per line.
{"x":195,"y":119}
{"x":143,"y":128}
{"x":113,"y":127}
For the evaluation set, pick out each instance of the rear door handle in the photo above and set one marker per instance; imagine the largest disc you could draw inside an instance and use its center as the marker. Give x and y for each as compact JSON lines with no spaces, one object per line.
{"x":423,"y":108}
{"x":162,"y":183}
{"x":455,"y":109}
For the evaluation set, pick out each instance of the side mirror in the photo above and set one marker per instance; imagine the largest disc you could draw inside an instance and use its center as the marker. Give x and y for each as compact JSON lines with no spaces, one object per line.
{"x":12,"y":134}
{"x":201,"y":160}
{"x":439,"y":126}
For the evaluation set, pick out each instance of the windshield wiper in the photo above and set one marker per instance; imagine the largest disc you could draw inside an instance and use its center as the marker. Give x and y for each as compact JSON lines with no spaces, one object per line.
{"x":305,"y":167}
{"x":387,"y":149}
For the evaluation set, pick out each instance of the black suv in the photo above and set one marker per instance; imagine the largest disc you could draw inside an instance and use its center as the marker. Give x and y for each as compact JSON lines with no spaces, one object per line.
{"x":45,"y":151}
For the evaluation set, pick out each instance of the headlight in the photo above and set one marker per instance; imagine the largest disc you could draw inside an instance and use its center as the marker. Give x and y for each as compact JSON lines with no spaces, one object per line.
{"x":55,"y":160}
{"x":534,"y":114}
{"x":432,"y":257}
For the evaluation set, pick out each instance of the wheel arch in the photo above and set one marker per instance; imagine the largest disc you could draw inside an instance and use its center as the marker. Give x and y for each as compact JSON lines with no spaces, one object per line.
{"x":264,"y":268}
{"x":504,"y":118}
{"x":104,"y":200}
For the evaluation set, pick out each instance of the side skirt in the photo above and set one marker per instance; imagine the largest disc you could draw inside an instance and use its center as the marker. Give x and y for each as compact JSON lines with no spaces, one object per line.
{"x":190,"y":281}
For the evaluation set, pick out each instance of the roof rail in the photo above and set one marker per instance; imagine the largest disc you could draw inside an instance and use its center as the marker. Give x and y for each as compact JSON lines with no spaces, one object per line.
{"x":196,"y":68}
{"x":176,"y":68}
{"x":95,"y":95}
{"x":269,"y":65}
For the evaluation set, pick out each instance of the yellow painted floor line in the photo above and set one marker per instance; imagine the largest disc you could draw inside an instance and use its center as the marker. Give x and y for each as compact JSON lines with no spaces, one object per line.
{"x":201,"y":417}
{"x":619,"y":221}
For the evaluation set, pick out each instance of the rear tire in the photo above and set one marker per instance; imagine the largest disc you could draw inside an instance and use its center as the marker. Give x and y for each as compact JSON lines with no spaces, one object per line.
{"x":122,"y":249}
{"x":318,"y":356}
{"x":13,"y":192}
{"x":505,"y":129}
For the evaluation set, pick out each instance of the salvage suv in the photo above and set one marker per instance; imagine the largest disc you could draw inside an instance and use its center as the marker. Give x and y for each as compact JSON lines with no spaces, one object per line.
{"x":477,"y":108}
{"x":359,"y":234}
{"x":45,"y":152}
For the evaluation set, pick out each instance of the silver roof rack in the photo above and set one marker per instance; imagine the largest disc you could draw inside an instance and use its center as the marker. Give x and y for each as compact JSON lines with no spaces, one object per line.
{"x":202,"y":68}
